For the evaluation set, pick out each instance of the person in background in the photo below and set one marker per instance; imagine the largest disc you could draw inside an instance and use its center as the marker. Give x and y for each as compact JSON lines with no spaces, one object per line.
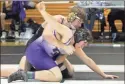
{"x":14,"y":10}
{"x":116,"y":14}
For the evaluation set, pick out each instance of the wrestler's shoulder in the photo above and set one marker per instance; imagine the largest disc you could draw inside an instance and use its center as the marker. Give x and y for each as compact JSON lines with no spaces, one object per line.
{"x":59,"y":16}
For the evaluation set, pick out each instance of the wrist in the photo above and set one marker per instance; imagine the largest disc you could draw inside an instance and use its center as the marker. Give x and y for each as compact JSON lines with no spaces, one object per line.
{"x":41,"y":10}
{"x":103,"y":75}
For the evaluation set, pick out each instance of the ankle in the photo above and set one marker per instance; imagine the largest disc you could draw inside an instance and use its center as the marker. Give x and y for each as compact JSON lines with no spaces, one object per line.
{"x":31,"y":75}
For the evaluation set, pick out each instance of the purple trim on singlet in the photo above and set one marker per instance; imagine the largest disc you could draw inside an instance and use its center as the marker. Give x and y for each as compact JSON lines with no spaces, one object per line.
{"x":54,"y":32}
{"x":68,"y":42}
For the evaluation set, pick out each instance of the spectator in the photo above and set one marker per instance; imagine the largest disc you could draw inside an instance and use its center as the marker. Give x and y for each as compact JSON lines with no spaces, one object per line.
{"x":14,"y":10}
{"x":2,"y":29}
{"x":92,"y":14}
{"x":116,"y":14}
{"x":2,"y":23}
{"x":29,"y":4}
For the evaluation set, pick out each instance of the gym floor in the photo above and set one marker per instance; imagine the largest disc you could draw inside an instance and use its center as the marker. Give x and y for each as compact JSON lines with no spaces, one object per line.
{"x":110,"y":59}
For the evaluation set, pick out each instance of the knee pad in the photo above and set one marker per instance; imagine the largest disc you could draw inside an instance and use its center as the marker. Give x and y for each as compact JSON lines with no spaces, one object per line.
{"x":65,"y":74}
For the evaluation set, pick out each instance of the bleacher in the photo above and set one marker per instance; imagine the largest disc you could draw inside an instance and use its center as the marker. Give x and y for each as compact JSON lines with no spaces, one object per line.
{"x":62,"y":9}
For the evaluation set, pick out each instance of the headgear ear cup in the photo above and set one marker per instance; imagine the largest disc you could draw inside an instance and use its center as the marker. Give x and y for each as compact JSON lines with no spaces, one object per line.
{"x":89,"y":36}
{"x":82,"y":35}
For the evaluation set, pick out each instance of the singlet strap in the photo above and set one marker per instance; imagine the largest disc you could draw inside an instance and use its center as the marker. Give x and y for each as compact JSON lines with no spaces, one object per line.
{"x":54,"y":32}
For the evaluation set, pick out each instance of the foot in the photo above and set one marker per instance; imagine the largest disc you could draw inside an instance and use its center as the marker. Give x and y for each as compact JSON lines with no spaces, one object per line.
{"x":101,"y":37}
{"x":18,"y":75}
{"x":16,"y":34}
{"x":114,"y":36}
{"x":3,"y":35}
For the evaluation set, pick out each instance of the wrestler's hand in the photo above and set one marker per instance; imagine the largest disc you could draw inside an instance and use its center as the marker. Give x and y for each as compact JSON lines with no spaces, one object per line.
{"x":106,"y":76}
{"x":69,"y":49}
{"x":41,"y":6}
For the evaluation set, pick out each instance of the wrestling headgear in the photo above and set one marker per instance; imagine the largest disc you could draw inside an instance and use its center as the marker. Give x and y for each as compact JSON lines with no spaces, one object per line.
{"x":82,"y":35}
{"x":76,"y":12}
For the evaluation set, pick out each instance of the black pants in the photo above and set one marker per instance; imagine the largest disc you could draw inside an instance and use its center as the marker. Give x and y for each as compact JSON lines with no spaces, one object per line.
{"x":116,"y":14}
{"x":103,"y":24}
{"x":15,"y":20}
{"x":0,"y":32}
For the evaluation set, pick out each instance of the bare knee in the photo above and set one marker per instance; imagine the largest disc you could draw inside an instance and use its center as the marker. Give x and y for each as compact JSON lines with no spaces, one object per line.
{"x":57,"y":74}
{"x":59,"y":78}
{"x":22,"y":62}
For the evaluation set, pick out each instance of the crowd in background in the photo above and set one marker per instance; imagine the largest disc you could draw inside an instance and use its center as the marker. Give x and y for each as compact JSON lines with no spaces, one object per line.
{"x":15,"y":10}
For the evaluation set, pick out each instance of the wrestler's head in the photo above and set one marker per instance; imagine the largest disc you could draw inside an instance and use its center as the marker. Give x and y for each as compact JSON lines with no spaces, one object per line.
{"x":76,"y":16}
{"x":82,"y":37}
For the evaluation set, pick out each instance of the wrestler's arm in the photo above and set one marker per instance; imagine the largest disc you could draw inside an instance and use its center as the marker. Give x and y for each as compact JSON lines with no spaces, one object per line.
{"x":91,"y":64}
{"x":88,"y":61}
{"x":69,"y":49}
{"x":61,"y":29}
{"x":57,"y":17}
{"x":66,"y":39}
{"x":44,"y":24}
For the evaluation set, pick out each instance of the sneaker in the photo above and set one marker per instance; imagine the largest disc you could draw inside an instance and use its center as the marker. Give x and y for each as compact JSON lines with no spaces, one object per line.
{"x":114,"y":36}
{"x":16,"y":34}
{"x":3,"y":34}
{"x":101,"y":37}
{"x":22,"y":35}
{"x":18,"y":75}
{"x":28,"y":33}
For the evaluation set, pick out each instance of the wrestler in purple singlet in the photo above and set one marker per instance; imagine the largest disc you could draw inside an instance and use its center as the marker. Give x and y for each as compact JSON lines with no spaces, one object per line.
{"x":41,"y":54}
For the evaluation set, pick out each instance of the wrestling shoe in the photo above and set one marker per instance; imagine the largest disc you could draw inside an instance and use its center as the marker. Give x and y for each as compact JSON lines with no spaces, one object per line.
{"x":18,"y":75}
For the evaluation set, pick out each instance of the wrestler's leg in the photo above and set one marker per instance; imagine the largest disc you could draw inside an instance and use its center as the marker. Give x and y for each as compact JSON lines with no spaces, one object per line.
{"x":69,"y":67}
{"x":6,"y":70}
{"x":65,"y":66}
{"x":48,"y":69}
{"x":53,"y":74}
{"x":25,"y":65}
{"x":63,"y":63}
